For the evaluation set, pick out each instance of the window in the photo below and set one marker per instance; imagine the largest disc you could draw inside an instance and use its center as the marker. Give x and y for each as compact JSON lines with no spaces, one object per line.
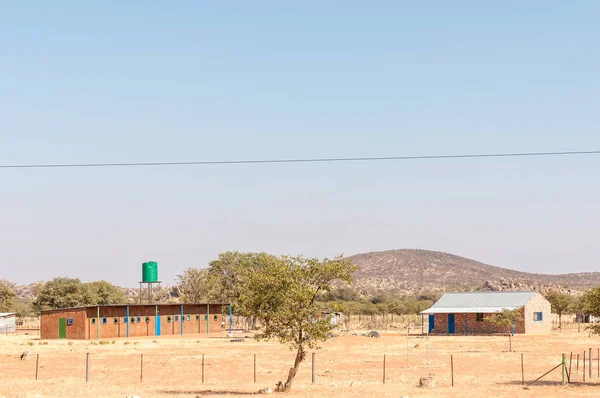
{"x":176,"y":318}
{"x":538,"y":316}
{"x":197,"y":317}
{"x":187,"y":318}
{"x":479,"y":317}
{"x":125,"y":319}
{"x":132,"y":319}
{"x":104,"y":321}
{"x":206,"y":317}
{"x":116,"y":320}
{"x":139,"y":319}
{"x":169,"y":318}
{"x":93,"y":321}
{"x":147,"y":319}
{"x":70,"y":321}
{"x":215,"y":317}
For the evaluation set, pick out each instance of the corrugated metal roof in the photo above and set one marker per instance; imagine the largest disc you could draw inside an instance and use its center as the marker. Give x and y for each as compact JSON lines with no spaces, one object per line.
{"x":3,"y":314}
{"x":129,"y":305}
{"x":467,"y":310}
{"x":482,"y":302}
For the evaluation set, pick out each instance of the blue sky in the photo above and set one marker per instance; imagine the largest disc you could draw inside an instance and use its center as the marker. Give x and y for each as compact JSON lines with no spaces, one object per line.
{"x":171,"y":81}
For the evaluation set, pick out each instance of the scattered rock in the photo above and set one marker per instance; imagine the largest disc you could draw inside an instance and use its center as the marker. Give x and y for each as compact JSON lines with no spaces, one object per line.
{"x":265,"y":391}
{"x":333,"y":385}
{"x":427,"y":382}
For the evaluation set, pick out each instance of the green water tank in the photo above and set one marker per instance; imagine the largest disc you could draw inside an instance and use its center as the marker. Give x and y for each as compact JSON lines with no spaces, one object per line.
{"x":150,"y":272}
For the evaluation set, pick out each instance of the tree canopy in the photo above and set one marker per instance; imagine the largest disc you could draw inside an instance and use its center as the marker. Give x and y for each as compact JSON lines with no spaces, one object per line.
{"x":71,"y":292}
{"x":281,"y":293}
{"x":561,"y":304}
{"x":589,"y":303}
{"x":7,"y":298}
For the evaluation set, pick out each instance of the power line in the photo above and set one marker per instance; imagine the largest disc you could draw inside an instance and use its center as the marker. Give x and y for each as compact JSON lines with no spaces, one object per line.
{"x":301,"y":160}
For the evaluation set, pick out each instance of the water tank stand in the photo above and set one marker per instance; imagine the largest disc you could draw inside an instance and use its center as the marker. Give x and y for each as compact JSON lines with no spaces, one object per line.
{"x":150,"y":290}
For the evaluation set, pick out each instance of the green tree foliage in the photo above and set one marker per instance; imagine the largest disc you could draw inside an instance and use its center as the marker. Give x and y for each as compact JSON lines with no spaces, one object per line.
{"x":7,"y":298}
{"x":281,"y":293}
{"x":105,"y":293}
{"x":506,"y":318}
{"x":200,"y":286}
{"x":62,"y":293}
{"x":228,"y":268}
{"x":589,"y":304}
{"x":71,"y":292}
{"x":561,"y":303}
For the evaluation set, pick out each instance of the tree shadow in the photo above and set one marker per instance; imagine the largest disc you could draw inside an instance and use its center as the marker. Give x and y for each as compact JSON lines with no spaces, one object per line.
{"x":206,"y":392}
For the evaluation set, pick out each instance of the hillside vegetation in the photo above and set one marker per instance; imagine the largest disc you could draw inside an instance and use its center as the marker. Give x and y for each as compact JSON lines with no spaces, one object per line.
{"x":409,"y":271}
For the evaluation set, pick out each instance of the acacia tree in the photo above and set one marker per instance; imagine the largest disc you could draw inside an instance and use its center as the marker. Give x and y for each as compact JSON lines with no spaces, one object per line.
{"x":199,"y":285}
{"x":561,"y":304}
{"x":7,"y":298}
{"x":589,"y":304}
{"x":281,"y":294}
{"x":506,"y":318}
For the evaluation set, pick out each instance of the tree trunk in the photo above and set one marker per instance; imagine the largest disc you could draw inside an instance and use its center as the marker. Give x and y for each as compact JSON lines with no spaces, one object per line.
{"x":560,"y":322}
{"x":288,"y":384}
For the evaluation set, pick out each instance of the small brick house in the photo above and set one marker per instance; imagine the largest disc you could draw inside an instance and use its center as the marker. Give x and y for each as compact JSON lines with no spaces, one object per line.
{"x":466,"y":313}
{"x":114,"y":321}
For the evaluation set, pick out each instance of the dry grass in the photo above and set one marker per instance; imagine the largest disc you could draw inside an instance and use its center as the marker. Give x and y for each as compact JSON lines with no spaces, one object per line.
{"x":350,"y":366}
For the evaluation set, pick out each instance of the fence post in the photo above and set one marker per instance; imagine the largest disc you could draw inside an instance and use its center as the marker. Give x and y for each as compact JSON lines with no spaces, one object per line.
{"x":255,"y":368}
{"x":202,"y":368}
{"x":313,"y":368}
{"x":584,"y":366}
{"x":564,"y":368}
{"x":87,"y":367}
{"x":141,"y":368}
{"x":383,"y":368}
{"x":570,"y":362}
{"x":523,"y":371}
{"x":590,"y":365}
{"x":37,"y":363}
{"x":452,"y":368}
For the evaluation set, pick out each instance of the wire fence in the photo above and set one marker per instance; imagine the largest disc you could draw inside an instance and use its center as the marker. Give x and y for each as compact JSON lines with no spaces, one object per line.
{"x":458,"y":369}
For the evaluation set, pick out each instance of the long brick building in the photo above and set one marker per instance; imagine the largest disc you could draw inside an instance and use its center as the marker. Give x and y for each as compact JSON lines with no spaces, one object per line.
{"x":467,"y":313}
{"x":114,"y":321}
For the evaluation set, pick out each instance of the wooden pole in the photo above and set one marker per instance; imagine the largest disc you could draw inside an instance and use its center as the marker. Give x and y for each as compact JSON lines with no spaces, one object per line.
{"x":590,"y":366}
{"x":570,"y":362}
{"x":522,"y":371}
{"x":202,"y":368}
{"x":577,"y":368}
{"x":255,"y":368}
{"x":564,"y":369}
{"x":584,"y":366}
{"x":452,"y":369}
{"x":383,"y":368}
{"x":141,"y":368}
{"x":87,"y":367}
{"x":37,"y":365}
{"x":313,"y":368}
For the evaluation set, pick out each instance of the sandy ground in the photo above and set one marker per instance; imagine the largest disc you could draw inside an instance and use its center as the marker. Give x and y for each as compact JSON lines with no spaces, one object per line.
{"x":346,"y":366}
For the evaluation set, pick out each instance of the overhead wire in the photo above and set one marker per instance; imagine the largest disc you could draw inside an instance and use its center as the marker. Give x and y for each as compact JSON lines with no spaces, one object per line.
{"x":296,"y":160}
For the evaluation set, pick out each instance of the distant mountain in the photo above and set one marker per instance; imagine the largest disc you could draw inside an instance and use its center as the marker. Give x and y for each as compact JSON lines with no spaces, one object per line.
{"x":411,"y":271}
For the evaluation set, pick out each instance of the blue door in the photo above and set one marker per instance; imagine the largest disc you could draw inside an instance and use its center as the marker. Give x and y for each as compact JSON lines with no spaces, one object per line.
{"x":157,"y":321}
{"x":450,"y":323}
{"x":431,"y":323}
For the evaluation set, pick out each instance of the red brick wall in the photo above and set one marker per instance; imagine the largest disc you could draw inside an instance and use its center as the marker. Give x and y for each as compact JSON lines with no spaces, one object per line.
{"x":87,"y":321}
{"x":464,"y":322}
{"x":49,"y":324}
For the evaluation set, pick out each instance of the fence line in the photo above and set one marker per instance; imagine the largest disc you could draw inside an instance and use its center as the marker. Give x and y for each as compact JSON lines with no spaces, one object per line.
{"x":373,"y":368}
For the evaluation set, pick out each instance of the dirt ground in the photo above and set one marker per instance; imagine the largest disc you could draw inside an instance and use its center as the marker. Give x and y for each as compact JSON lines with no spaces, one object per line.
{"x":346,"y":366}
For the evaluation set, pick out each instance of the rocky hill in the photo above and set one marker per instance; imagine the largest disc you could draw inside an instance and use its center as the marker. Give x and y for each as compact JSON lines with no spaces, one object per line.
{"x":413,"y":271}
